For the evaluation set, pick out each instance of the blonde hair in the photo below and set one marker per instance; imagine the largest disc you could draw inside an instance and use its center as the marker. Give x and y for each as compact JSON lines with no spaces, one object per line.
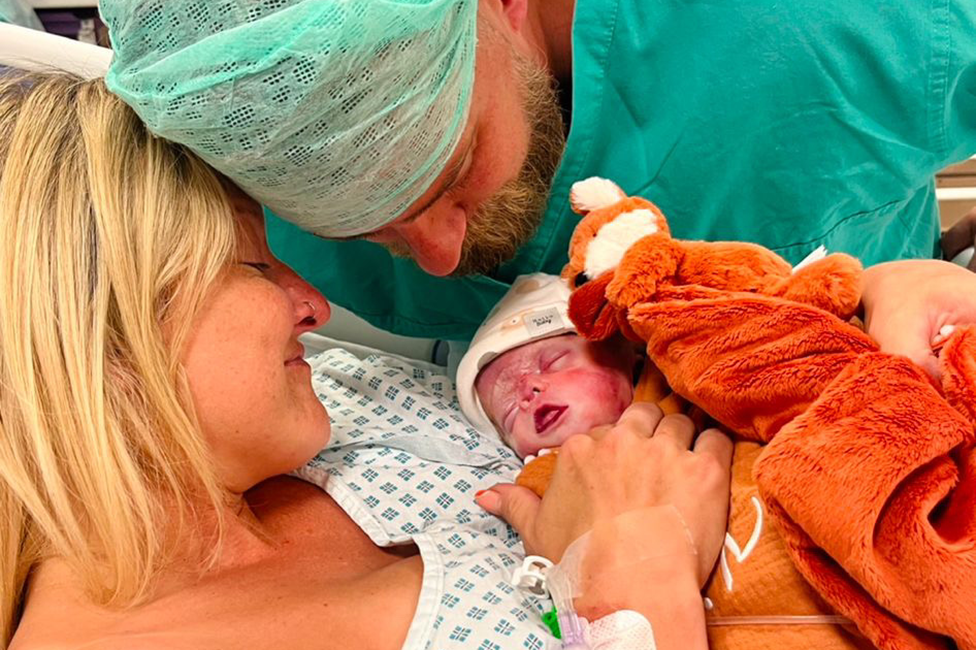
{"x":110,"y":239}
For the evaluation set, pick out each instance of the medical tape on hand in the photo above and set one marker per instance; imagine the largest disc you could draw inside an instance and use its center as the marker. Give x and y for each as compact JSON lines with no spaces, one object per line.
{"x":637,"y":543}
{"x":626,"y":542}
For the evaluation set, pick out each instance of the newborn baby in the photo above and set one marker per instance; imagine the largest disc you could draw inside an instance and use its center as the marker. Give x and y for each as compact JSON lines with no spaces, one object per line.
{"x":530,"y":378}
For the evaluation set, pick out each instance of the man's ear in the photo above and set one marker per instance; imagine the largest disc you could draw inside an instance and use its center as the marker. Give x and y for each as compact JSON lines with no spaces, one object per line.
{"x":513,"y":12}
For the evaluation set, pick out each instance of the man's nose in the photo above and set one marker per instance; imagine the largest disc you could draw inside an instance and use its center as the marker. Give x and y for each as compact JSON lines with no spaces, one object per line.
{"x":436,"y":240}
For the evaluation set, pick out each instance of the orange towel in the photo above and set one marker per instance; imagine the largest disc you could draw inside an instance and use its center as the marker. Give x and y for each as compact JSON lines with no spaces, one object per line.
{"x":756,"y":599}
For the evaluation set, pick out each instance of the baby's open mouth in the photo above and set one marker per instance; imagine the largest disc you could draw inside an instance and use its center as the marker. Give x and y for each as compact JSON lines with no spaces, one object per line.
{"x":546,"y":416}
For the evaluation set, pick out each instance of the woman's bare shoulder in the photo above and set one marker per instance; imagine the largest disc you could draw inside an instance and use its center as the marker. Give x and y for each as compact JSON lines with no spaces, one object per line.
{"x":326,"y":586}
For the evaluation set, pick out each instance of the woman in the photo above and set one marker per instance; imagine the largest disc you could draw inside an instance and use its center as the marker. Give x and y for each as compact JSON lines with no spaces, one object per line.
{"x":154,"y":393}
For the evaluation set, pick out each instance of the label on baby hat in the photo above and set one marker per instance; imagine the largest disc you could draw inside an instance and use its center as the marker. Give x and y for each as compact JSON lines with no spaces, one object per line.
{"x":542,"y":322}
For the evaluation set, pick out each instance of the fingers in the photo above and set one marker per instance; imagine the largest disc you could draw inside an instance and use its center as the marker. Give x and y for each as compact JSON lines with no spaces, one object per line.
{"x":517,"y":505}
{"x":715,"y":443}
{"x":678,"y":428}
{"x":917,"y":347}
{"x":909,"y":335}
{"x":960,"y":236}
{"x":599,"y":433}
{"x":640,"y":419}
{"x":928,"y":362}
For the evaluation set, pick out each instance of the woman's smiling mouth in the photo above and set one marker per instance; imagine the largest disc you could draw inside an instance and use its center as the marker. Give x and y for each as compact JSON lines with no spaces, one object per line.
{"x":546,"y":416}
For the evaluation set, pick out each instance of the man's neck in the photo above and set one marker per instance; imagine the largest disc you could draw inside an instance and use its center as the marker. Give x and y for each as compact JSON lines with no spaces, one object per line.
{"x":551,"y":29}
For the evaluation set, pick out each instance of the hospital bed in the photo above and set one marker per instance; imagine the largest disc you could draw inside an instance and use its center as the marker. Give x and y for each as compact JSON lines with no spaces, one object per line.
{"x":33,"y":50}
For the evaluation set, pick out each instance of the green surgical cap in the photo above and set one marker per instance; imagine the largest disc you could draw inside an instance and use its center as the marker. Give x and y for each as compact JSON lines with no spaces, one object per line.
{"x":336,"y":114}
{"x":19,"y":12}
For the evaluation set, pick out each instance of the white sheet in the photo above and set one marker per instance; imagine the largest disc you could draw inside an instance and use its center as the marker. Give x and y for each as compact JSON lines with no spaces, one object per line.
{"x":29,"y":49}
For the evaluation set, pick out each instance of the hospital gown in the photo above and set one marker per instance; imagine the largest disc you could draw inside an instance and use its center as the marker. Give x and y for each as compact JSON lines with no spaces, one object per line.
{"x":405,"y":466}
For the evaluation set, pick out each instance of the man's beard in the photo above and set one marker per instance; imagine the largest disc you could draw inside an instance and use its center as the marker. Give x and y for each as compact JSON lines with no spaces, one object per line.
{"x":510,"y":218}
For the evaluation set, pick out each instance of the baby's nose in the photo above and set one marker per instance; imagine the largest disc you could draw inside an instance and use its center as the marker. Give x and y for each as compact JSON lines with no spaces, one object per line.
{"x":530,"y":386}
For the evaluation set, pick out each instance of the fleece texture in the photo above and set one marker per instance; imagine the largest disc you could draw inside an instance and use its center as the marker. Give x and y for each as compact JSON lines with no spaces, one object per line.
{"x":860,"y":462}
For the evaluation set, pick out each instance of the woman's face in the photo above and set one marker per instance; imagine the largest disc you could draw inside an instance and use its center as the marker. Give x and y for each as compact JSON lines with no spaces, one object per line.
{"x":251,"y":387}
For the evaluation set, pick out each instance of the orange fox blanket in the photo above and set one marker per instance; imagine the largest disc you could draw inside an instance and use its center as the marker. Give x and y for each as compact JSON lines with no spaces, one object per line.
{"x":869,"y":472}
{"x":872,"y":485}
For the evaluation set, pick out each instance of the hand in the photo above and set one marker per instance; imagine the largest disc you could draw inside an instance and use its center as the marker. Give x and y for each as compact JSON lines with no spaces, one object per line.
{"x":645,"y":460}
{"x":907,"y":303}
{"x":960,"y":237}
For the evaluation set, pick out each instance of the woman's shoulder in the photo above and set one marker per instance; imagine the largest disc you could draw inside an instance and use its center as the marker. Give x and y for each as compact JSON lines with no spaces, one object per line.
{"x":325,"y":574}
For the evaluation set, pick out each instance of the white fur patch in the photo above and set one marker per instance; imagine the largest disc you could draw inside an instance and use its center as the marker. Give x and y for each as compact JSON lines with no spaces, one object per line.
{"x":605,"y":251}
{"x":594,"y":193}
{"x":815,"y":256}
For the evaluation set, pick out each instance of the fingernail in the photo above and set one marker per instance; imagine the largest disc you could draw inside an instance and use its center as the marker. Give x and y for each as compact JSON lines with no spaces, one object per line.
{"x":489,"y":500}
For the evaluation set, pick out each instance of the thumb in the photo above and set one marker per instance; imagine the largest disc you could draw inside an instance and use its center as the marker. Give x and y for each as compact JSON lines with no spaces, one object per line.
{"x":910,"y":337}
{"x":513,"y":503}
{"x":918,"y":350}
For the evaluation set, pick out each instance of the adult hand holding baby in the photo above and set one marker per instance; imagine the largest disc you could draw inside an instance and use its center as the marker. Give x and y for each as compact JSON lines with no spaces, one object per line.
{"x":646,"y":461}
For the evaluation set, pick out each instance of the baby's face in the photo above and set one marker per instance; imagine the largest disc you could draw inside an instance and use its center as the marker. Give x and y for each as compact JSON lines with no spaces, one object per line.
{"x":541,"y":393}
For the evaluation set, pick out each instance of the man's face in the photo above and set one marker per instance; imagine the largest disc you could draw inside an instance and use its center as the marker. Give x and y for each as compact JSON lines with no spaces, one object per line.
{"x":491,"y":197}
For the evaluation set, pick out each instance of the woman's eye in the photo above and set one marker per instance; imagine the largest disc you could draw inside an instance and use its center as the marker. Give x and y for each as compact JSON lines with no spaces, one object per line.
{"x":260,"y":266}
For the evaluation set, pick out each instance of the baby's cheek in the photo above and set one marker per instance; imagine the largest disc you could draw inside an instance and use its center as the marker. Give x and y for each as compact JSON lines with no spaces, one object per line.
{"x":605,"y":410}
{"x":605,"y":394}
{"x":527,"y":443}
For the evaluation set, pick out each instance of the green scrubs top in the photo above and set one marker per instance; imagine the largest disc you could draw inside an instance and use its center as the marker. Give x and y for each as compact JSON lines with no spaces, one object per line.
{"x":19,"y":12}
{"x":793,"y":124}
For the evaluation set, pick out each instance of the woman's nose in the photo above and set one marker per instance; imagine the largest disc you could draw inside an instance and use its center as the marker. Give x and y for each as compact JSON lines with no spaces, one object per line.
{"x":311,"y":311}
{"x":311,"y":308}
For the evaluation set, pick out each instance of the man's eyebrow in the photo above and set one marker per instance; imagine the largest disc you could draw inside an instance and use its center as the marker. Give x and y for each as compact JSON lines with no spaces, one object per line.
{"x":449,"y":180}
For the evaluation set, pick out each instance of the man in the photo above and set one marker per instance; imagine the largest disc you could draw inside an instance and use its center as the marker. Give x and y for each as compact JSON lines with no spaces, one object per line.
{"x":794,"y":125}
